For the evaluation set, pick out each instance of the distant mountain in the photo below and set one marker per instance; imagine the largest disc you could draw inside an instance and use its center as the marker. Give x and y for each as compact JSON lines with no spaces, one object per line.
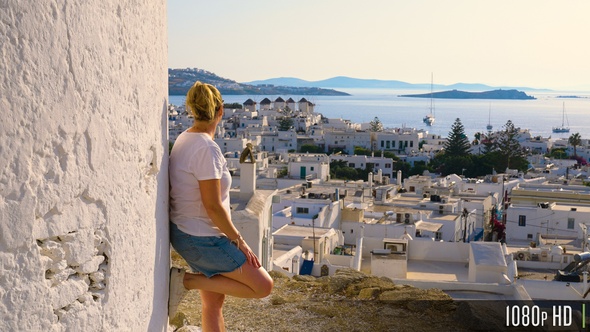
{"x":180,"y":81}
{"x":349,"y":82}
{"x":338,"y":82}
{"x":456,"y":94}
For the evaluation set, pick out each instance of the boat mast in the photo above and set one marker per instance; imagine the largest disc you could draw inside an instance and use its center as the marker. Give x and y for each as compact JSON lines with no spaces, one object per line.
{"x":489,"y":126}
{"x":432,"y":94}
{"x":563,"y":115}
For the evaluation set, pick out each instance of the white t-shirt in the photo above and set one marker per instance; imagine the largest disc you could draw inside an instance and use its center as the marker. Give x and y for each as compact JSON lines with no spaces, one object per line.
{"x":194,"y":157}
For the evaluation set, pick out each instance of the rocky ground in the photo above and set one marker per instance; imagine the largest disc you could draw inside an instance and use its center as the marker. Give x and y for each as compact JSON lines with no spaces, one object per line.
{"x":347,"y":301}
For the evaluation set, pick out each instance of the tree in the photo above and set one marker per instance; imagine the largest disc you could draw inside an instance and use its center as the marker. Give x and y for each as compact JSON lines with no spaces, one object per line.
{"x":287,"y":111}
{"x":229,"y":106}
{"x":375,"y":125}
{"x":419,"y":168}
{"x":574,"y":141}
{"x":285,"y":123}
{"x":457,"y":144}
{"x":557,"y":153}
{"x":509,"y":149}
{"x":488,"y":141}
{"x":311,"y":148}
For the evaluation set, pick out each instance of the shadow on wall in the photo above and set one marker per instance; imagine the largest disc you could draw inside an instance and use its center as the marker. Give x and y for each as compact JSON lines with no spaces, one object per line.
{"x":162,"y":245}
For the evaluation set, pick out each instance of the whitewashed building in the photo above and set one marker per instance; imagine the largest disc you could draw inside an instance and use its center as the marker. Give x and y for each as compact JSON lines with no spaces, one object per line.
{"x":309,"y":166}
{"x":385,"y":165}
{"x":399,"y":140}
{"x":346,"y":140}
{"x":309,"y":209}
{"x":552,"y":220}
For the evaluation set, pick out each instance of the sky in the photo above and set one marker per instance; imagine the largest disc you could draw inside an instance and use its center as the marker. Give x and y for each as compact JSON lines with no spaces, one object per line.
{"x":518,"y":43}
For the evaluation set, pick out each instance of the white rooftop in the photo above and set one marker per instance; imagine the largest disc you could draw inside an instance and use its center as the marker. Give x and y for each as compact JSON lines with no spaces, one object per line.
{"x":488,"y":253}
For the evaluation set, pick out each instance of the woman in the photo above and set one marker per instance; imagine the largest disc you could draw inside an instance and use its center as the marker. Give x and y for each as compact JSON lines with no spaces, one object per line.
{"x":201,"y":229}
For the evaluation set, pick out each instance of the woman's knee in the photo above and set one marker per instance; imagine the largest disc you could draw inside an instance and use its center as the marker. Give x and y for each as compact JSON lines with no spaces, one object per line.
{"x":264,"y":286}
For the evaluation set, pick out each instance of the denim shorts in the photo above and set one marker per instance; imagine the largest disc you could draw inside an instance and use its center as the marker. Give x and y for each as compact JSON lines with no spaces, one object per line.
{"x":209,"y":255}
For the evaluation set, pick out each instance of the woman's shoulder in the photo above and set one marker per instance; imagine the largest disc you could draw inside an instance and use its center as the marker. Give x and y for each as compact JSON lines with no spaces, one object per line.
{"x":197,"y":143}
{"x":194,"y":138}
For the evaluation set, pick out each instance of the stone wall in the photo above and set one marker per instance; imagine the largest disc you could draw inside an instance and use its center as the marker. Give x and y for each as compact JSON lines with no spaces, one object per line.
{"x":83,"y":172}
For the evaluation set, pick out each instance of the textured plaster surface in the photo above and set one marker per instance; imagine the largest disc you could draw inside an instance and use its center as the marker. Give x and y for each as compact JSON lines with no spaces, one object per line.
{"x":83,"y":166}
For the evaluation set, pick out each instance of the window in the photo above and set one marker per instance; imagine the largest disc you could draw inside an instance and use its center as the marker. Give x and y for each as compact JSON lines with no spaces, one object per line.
{"x":529,"y":236}
{"x":311,"y":168}
{"x":411,"y":144}
{"x":377,"y":165}
{"x":393,"y":144}
{"x":382,"y":143}
{"x":303,"y":210}
{"x":438,"y":235}
{"x":351,"y":165}
{"x":570,"y":223}
{"x":522,"y":221}
{"x":387,"y":145}
{"x":387,"y":165}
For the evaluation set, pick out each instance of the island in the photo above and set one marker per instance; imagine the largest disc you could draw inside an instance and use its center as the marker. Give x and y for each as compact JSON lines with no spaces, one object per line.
{"x":456,"y":94}
{"x":180,"y":81}
{"x":570,"y":97}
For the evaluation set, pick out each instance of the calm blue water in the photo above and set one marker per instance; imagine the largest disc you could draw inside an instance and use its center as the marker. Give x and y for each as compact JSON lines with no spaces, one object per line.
{"x":364,"y":105}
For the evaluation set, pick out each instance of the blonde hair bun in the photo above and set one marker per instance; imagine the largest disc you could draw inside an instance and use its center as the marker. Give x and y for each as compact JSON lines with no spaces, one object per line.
{"x":203,"y":101}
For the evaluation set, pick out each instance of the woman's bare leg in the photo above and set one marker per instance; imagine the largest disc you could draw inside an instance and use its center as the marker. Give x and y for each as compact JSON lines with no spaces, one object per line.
{"x":244,"y":282}
{"x":211,"y":311}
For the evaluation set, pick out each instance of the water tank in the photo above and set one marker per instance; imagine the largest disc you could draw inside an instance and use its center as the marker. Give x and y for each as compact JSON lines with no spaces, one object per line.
{"x":582,"y":256}
{"x":556,"y":250}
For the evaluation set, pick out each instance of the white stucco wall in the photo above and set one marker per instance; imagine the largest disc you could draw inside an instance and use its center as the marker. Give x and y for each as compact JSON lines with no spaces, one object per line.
{"x":83,"y":172}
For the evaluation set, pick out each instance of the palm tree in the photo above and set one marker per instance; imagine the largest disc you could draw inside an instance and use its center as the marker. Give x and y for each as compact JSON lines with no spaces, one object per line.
{"x":574,"y":141}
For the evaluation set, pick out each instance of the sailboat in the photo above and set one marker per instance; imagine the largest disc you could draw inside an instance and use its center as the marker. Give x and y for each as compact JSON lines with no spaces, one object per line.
{"x":563,"y":128}
{"x":429,"y":118}
{"x":489,"y":127}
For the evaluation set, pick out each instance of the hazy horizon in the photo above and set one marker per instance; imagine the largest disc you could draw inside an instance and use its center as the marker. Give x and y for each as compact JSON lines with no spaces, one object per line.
{"x":531,"y":43}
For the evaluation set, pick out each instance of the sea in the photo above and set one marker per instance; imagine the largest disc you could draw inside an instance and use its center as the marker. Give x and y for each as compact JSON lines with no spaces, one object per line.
{"x":539,"y":115}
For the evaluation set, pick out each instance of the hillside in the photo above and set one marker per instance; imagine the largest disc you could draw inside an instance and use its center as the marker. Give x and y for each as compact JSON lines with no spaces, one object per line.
{"x":456,"y":94}
{"x":180,"y":80}
{"x":347,"y":301}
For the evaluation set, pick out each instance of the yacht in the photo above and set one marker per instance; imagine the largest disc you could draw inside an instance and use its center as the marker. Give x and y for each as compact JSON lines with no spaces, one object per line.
{"x":429,"y":118}
{"x":563,"y":128}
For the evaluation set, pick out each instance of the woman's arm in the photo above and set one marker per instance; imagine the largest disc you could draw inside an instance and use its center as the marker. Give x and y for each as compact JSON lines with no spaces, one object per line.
{"x":211,"y":198}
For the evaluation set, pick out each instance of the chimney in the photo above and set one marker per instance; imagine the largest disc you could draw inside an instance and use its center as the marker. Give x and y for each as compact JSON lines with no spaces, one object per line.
{"x":247,"y":180}
{"x":247,"y":172}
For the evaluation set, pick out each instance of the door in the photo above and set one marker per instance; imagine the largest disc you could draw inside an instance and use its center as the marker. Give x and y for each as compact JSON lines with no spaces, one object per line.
{"x":303,"y":172}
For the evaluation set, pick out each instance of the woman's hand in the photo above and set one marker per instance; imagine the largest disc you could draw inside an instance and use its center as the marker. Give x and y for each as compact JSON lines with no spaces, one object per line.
{"x":250,"y":257}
